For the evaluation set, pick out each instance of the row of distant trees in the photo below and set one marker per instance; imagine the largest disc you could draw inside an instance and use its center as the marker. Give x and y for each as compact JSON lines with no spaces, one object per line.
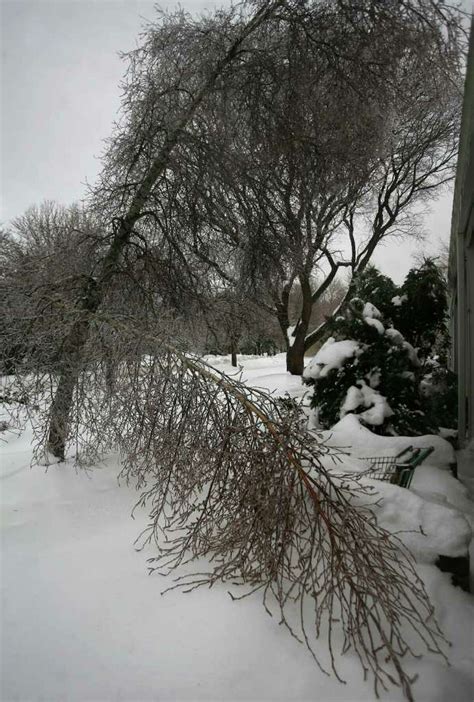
{"x":49,"y":251}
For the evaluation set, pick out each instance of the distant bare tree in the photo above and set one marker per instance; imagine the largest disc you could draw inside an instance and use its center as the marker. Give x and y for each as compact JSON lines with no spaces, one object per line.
{"x":239,"y":324}
{"x":46,"y":257}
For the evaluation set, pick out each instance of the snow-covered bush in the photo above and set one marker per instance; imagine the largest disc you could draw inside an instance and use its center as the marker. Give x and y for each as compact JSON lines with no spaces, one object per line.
{"x":422,"y":310}
{"x":405,"y":339}
{"x":368,"y":368}
{"x":373,"y":285}
{"x":421,"y":316}
{"x":418,"y":308}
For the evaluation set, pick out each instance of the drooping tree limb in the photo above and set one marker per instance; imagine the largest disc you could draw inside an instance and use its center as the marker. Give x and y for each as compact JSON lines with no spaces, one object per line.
{"x":233,"y":476}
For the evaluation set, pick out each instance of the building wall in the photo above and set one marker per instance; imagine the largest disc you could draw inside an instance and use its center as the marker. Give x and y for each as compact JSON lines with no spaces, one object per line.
{"x":461,"y":265}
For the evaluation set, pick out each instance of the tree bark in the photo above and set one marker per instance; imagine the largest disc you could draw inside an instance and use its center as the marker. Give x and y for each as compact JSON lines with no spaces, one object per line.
{"x":296,"y":348}
{"x":295,"y":357}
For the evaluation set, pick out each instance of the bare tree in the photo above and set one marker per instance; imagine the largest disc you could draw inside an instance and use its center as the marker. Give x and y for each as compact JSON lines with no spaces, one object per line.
{"x":420,"y":160}
{"x":170,"y":76}
{"x":418,"y":157}
{"x":47,"y":255}
{"x":309,"y":157}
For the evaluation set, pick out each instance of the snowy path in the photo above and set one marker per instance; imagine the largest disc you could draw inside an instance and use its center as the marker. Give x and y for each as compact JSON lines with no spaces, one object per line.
{"x":81,"y":620}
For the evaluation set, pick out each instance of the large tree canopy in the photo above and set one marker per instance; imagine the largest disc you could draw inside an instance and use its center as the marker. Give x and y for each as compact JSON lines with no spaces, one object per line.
{"x":336,"y":121}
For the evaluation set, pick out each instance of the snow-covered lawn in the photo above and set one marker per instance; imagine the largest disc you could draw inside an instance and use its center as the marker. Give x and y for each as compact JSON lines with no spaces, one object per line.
{"x":82,"y":620}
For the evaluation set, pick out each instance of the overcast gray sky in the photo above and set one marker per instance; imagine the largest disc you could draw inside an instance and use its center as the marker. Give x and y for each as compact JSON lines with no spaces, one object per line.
{"x":60,"y":95}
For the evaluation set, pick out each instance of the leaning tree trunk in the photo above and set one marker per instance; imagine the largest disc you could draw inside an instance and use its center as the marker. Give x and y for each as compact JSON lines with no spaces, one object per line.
{"x":320,"y":332}
{"x":71,"y":363}
{"x":94,"y":293}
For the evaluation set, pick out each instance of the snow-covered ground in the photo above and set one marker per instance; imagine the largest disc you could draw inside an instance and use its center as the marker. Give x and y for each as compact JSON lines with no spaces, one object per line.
{"x":82,"y":620}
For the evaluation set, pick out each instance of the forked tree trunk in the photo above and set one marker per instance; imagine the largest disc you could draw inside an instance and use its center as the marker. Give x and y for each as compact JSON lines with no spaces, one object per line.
{"x":295,"y":356}
{"x":94,"y":292}
{"x":321,"y":331}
